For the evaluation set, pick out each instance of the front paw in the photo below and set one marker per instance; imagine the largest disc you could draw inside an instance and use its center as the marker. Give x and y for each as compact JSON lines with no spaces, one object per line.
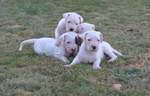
{"x":67,"y":66}
{"x":95,"y":67}
{"x":66,"y":61}
{"x":112,"y":59}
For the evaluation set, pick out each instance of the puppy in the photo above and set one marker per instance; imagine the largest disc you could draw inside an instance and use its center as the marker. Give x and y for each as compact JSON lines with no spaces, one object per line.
{"x":69,"y":22}
{"x":66,"y":46}
{"x":90,"y":50}
{"x":82,"y":28}
{"x":107,"y":49}
{"x":93,"y":49}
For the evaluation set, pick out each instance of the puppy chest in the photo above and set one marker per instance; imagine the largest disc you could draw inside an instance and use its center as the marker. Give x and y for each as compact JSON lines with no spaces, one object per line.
{"x":88,"y":58}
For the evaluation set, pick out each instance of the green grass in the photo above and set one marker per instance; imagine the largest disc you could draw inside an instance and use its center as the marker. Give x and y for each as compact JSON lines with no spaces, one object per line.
{"x":28,"y":74}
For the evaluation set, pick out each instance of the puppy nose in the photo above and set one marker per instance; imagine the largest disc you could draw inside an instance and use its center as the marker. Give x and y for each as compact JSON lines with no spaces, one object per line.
{"x":71,"y":29}
{"x":94,"y":47}
{"x":73,"y":50}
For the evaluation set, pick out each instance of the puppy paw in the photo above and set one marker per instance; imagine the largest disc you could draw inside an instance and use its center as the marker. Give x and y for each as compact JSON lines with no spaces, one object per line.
{"x":109,"y":61}
{"x":67,"y":61}
{"x":96,"y":67}
{"x":112,"y":59}
{"x":67,"y":66}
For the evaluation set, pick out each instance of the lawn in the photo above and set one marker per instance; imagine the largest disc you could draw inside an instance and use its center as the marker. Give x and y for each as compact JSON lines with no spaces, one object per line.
{"x":125,"y":24}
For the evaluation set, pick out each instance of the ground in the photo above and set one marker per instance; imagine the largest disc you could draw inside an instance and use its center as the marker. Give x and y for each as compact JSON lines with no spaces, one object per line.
{"x":125,"y":24}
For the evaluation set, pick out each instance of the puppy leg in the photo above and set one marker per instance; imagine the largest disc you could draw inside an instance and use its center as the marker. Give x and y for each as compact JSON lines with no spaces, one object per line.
{"x":112,"y":59}
{"x":96,"y":64}
{"x":57,"y":34}
{"x":63,"y":58}
{"x":111,"y":55}
{"x":75,"y":61}
{"x":108,"y":51}
{"x":117,"y":52}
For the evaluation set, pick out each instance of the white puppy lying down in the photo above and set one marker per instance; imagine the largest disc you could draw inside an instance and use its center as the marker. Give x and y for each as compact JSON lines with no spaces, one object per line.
{"x":108,"y":50}
{"x":69,"y":22}
{"x":92,"y":50}
{"x":66,"y":46}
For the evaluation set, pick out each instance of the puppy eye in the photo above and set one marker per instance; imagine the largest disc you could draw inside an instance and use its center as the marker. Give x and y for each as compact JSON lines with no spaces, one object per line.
{"x":76,"y":23}
{"x":68,"y":42}
{"x":68,"y":21}
{"x":98,"y":40}
{"x":89,"y":40}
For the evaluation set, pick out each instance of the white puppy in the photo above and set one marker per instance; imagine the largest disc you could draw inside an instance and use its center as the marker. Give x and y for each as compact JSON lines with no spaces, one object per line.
{"x":67,"y":46}
{"x":82,"y":28}
{"x":107,"y":49}
{"x":93,"y":50}
{"x":69,"y":22}
{"x":90,"y":50}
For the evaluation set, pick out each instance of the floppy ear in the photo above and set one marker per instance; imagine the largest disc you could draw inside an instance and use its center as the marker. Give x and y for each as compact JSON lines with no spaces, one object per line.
{"x":85,"y":34}
{"x":101,"y":37}
{"x":65,"y":15}
{"x":81,"y":19}
{"x":78,"y":40}
{"x":60,"y":40}
{"x":79,"y":29}
{"x":93,"y":26}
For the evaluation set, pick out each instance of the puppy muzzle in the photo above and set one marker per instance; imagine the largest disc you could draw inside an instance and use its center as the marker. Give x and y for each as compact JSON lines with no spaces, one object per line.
{"x":94,"y":48}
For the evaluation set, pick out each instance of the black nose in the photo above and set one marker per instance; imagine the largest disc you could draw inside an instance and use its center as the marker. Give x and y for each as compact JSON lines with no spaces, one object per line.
{"x":94,"y":47}
{"x":73,"y":50}
{"x":71,"y":29}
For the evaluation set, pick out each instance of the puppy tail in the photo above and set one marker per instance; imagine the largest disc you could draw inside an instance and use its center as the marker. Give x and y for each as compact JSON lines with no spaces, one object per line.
{"x":29,"y":41}
{"x":117,"y":52}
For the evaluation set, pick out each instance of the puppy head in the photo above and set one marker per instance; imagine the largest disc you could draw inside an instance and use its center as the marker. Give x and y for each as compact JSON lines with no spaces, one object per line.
{"x":72,"y":20}
{"x":82,"y":28}
{"x":68,"y":41}
{"x":92,"y":40}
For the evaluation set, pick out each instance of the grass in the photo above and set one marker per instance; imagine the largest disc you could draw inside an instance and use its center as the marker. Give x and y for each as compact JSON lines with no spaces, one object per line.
{"x":124,"y":24}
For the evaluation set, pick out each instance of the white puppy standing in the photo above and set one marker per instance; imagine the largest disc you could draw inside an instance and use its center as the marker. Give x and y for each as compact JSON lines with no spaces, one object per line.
{"x":69,"y":22}
{"x":66,"y":46}
{"x":93,"y":49}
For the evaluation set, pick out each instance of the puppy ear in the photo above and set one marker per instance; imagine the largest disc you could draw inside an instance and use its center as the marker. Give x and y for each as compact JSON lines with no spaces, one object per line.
{"x":65,"y":15}
{"x":79,"y":29}
{"x":85,"y":34}
{"x":78,"y":40}
{"x":81,"y":19}
{"x":60,"y":40}
{"x":93,"y":26}
{"x":101,"y":37}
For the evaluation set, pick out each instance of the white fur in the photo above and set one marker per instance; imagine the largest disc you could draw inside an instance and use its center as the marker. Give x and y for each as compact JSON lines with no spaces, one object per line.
{"x":107,"y":49}
{"x":69,"y":22}
{"x":111,"y":52}
{"x":66,"y":46}
{"x":90,"y":50}
{"x":89,"y":55}
{"x":82,"y":28}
